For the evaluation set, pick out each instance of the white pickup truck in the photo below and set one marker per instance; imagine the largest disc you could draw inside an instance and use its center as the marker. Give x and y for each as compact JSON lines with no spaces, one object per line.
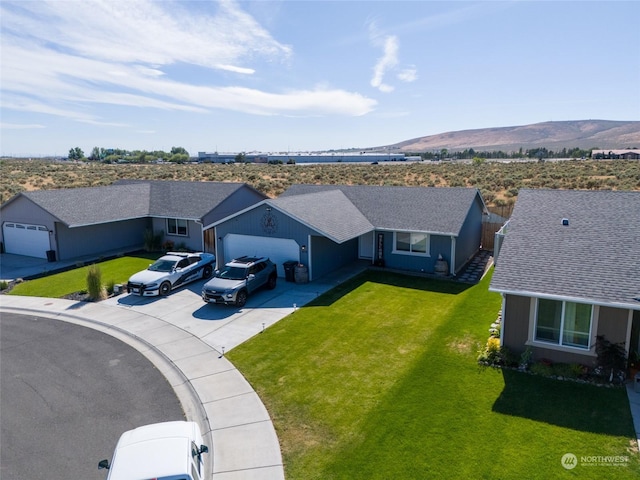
{"x":162,"y":451}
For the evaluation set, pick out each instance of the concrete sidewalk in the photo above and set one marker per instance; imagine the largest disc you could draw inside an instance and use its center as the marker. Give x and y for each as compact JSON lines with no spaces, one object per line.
{"x":185,"y":339}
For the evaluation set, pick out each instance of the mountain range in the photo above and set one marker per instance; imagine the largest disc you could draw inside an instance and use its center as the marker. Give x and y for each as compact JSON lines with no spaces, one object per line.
{"x":584,"y":134}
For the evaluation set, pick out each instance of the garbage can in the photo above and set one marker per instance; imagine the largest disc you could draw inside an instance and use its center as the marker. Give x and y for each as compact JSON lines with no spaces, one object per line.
{"x":289,"y":270}
{"x":51,"y":255}
{"x":636,"y":382}
{"x":301,"y":273}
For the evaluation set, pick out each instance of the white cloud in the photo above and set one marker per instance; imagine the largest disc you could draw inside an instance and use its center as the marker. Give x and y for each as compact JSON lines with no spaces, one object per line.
{"x":408,"y":75}
{"x":388,"y":62}
{"x":63,"y":58}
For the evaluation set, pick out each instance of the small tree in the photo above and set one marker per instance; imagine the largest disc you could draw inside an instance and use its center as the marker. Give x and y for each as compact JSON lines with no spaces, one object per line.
{"x":611,"y":357}
{"x":94,"y":283}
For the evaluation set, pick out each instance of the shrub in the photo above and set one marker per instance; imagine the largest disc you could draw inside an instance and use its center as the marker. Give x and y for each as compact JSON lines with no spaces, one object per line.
{"x":94,"y":283}
{"x":4,"y":285}
{"x":110,"y":286}
{"x":152,"y":240}
{"x":542,"y":369}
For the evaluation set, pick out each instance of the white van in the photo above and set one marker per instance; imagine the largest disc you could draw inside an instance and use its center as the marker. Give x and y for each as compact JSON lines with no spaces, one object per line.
{"x":163,"y":451}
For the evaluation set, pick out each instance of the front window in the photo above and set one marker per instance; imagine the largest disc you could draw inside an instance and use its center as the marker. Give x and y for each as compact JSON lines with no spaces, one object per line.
{"x":412,"y":243}
{"x":563,"y":323}
{"x":232,"y":273}
{"x":176,"y":226}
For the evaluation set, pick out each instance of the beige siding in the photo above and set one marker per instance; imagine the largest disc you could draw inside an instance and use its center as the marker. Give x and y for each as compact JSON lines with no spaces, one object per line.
{"x":515,"y":329}
{"x":612,"y":324}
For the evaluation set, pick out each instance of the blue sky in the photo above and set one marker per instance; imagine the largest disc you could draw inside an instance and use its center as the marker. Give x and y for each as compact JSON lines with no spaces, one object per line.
{"x":277,"y":76}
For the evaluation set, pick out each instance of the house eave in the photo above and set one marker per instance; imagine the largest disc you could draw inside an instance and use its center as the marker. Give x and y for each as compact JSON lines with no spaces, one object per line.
{"x":568,"y":298}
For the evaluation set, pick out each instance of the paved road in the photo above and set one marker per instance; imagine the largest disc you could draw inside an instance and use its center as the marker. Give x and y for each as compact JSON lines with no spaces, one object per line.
{"x":66,"y":394}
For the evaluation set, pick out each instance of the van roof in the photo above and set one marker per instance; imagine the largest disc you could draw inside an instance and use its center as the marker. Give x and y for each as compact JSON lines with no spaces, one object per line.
{"x":153,"y":451}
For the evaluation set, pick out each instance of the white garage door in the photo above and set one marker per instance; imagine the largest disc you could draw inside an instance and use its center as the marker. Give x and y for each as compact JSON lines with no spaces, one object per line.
{"x":279,"y":250}
{"x":23,"y":239}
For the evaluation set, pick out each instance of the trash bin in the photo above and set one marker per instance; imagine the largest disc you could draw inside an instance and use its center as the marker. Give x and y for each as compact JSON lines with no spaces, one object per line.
{"x":289,"y":270}
{"x":301,"y":274}
{"x":51,"y":255}
{"x":636,"y":382}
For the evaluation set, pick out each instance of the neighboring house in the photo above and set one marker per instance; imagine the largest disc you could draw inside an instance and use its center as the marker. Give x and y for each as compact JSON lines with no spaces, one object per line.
{"x":633,"y":154}
{"x":325,"y":227}
{"x":568,"y":271}
{"x":70,"y":223}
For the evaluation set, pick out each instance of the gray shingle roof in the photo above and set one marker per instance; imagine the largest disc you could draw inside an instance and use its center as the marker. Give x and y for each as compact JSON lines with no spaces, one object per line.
{"x":329,"y":212}
{"x":128,"y":199}
{"x":595,"y":257}
{"x":428,"y":209}
{"x":180,"y":199}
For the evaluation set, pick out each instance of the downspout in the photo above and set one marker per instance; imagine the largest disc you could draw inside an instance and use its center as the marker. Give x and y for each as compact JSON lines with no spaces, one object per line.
{"x":309,"y":257}
{"x":217,"y":246}
{"x":627,"y":342}
{"x":504,"y":304}
{"x":452,"y":264}
{"x":199,"y":222}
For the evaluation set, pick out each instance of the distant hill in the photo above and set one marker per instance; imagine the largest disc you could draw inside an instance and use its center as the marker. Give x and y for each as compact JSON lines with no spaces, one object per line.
{"x":583,"y":134}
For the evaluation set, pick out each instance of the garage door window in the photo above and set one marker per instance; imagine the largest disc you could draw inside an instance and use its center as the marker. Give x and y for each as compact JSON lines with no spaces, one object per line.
{"x":177,"y":226}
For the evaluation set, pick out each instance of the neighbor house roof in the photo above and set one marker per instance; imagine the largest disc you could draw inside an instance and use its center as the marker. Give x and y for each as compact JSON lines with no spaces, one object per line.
{"x":436,"y":210}
{"x":595,"y":257}
{"x":128,"y":199}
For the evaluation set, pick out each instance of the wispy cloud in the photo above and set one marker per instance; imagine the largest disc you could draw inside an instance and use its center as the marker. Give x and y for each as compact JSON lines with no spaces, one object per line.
{"x":388,"y":62}
{"x":18,"y":126}
{"x":65,"y":58}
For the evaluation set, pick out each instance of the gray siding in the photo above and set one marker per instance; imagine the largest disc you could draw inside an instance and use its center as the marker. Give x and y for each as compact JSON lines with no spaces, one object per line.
{"x":327,"y":255}
{"x":96,"y":239}
{"x":470,"y":235}
{"x":193,"y":240}
{"x":239,"y":200}
{"x":23,"y":210}
{"x":415,"y":263}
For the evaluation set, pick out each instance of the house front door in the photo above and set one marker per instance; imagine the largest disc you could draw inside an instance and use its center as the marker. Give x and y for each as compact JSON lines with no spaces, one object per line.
{"x":210,"y":240}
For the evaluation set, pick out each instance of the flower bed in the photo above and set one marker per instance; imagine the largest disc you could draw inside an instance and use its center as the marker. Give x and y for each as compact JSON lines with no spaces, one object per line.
{"x":608,"y":372}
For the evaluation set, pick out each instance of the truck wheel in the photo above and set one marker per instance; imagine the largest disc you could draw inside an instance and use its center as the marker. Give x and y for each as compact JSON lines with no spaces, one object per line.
{"x":271,"y":283}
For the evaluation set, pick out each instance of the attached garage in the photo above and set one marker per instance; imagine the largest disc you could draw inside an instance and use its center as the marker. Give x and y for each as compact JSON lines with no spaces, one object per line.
{"x":279,"y":250}
{"x":25,"y":239}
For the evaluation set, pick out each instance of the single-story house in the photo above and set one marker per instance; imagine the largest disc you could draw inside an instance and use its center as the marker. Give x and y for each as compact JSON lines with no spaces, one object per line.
{"x":69,"y":223}
{"x":324,"y":227}
{"x":568,"y":270}
{"x":628,"y":154}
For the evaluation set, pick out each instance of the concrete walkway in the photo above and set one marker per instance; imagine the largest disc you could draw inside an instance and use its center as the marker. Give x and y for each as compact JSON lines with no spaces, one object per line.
{"x":633,"y":392}
{"x":186,"y":338}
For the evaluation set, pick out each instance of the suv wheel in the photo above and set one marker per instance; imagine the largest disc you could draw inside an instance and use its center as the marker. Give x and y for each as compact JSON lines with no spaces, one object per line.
{"x":271,"y":283}
{"x":241,"y":299}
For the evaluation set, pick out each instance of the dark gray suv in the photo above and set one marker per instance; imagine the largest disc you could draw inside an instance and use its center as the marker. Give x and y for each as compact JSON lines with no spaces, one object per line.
{"x":238,"y":279}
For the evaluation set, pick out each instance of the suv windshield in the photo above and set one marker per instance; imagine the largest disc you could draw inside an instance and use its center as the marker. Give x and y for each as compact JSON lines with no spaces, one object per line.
{"x":232,"y":273}
{"x":162,"y":266}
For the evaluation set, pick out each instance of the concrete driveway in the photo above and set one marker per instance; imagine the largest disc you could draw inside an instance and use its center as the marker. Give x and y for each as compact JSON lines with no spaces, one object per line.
{"x":225,"y":326}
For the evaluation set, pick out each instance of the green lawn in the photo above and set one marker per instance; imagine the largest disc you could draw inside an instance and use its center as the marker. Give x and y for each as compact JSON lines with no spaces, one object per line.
{"x":58,"y":285}
{"x":378,"y":379}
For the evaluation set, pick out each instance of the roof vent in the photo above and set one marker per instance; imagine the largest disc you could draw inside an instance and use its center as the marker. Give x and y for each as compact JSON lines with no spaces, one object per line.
{"x":565,"y":222}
